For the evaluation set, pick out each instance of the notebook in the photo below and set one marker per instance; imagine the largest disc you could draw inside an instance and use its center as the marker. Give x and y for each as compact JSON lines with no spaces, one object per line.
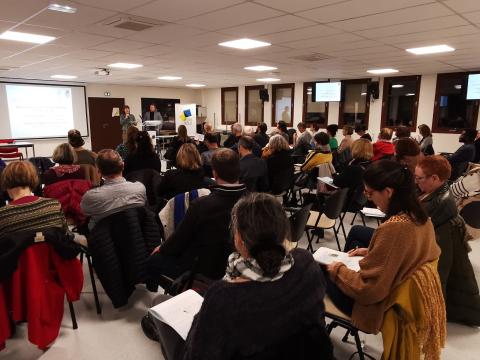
{"x":327,"y":180}
{"x":372,"y":212}
{"x":178,"y":312}
{"x":326,"y":256}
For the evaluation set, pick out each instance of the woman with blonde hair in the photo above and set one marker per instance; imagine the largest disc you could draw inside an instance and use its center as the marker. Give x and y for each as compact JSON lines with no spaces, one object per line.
{"x":66,"y":169}
{"x":279,"y":164}
{"x":187,"y":176}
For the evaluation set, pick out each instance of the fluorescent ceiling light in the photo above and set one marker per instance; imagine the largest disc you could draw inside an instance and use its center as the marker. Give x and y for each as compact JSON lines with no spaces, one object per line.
{"x":65,"y":77}
{"x":382,"y":71}
{"x":268,"y":79}
{"x":435,"y":49}
{"x":397,"y":86}
{"x":410,"y":94}
{"x":125,"y":65}
{"x":171,"y":78}
{"x":244,"y":44}
{"x":26,"y":37}
{"x":196,"y":85}
{"x":260,"y":68}
{"x":62,"y":8}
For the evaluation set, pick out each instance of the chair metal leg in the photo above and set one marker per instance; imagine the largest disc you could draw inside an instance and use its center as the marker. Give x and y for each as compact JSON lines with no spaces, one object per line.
{"x":94,"y":286}
{"x":359,"y":346}
{"x":336,"y":238}
{"x":309,"y":247}
{"x":354,"y":216}
{"x":363,"y":219}
{"x":72,"y":315}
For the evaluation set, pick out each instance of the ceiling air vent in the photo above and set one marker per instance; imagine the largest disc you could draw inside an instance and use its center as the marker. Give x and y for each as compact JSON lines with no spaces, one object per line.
{"x":312,"y":57}
{"x":132,"y":23}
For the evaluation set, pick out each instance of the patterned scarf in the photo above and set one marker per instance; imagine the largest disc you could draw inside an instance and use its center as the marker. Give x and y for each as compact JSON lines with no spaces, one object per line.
{"x":238,"y":266}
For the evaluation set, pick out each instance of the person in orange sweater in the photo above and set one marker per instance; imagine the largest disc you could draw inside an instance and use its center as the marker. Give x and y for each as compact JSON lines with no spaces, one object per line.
{"x":383,"y":147}
{"x":400,"y":245}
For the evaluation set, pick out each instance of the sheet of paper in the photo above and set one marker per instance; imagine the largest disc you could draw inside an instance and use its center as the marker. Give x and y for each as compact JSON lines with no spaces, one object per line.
{"x":327,"y":180}
{"x":199,"y":137}
{"x":115,"y":112}
{"x":373,"y":212}
{"x":326,"y":256}
{"x":178,"y":312}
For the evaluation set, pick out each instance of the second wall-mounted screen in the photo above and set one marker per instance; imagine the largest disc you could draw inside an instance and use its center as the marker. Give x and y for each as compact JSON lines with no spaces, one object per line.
{"x":328,"y":91}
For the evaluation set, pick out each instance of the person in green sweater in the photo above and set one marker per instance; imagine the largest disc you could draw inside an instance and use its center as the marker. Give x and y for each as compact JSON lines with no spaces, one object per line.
{"x":332,"y":131}
{"x":126,"y":120}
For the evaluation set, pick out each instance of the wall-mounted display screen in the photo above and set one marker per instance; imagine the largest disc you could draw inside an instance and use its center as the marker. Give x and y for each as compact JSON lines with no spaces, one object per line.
{"x":473,"y":89}
{"x":327,"y":91}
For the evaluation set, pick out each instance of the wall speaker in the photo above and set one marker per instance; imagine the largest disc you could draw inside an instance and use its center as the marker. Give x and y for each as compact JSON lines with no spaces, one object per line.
{"x":374,"y":89}
{"x":264,"y":95}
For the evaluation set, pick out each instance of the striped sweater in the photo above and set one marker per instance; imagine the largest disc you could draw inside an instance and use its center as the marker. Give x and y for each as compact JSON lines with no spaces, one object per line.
{"x":35,"y":215}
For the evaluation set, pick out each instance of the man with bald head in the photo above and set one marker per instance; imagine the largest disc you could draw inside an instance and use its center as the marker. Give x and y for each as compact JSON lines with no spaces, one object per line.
{"x":116,"y":194}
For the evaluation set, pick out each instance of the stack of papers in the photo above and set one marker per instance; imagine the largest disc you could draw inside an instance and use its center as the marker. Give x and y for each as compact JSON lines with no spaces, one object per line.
{"x":178,"y":312}
{"x":372,"y":212}
{"x":326,"y":256}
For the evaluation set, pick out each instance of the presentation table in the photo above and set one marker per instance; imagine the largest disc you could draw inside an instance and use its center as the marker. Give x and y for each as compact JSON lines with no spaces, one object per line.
{"x":20,"y":144}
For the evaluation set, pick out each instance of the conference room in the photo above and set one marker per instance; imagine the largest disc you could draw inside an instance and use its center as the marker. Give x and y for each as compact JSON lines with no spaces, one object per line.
{"x":239,"y":179}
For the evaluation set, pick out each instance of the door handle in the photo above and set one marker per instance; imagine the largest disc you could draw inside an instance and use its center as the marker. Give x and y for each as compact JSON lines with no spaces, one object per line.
{"x":104,"y":125}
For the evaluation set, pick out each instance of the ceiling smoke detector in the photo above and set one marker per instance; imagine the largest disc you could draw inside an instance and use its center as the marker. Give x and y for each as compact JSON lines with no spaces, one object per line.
{"x":102,"y":72}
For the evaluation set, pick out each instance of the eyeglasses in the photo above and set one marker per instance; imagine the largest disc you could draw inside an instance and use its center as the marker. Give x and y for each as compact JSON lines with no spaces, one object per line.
{"x":420,"y":178}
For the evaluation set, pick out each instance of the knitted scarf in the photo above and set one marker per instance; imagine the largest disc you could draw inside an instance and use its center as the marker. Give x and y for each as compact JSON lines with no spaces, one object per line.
{"x":238,"y":266}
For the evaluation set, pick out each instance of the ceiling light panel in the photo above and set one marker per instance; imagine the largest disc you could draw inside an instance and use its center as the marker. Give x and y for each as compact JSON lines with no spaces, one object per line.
{"x":170,"y":78}
{"x":62,"y":8}
{"x":260,"y":68}
{"x":382,"y":71}
{"x":244,"y":44}
{"x":196,"y":85}
{"x":268,"y":79}
{"x":64,"y":77}
{"x":435,"y":49}
{"x":26,"y":37}
{"x":125,"y":66}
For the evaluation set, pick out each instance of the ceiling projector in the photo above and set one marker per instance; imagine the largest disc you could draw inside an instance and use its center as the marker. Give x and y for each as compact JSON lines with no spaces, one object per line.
{"x":102,"y":72}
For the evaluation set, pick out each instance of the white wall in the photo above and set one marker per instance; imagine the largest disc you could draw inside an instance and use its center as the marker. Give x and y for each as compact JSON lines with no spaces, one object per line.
{"x":132,"y":96}
{"x":211,"y":98}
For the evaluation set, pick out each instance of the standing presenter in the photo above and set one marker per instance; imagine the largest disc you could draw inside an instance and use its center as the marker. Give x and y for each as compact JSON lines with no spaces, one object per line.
{"x":126,"y":120}
{"x":153,"y":114}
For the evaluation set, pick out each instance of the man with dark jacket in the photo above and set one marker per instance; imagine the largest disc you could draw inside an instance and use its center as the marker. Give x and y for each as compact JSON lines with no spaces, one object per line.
{"x":202,"y":241}
{"x":234,"y":136}
{"x":253,"y":170}
{"x":459,"y":159}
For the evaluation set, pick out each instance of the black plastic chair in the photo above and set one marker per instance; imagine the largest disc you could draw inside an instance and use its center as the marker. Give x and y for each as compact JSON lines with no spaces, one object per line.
{"x":84,"y":253}
{"x":333,"y":209}
{"x":470,"y":214}
{"x":298,"y":221}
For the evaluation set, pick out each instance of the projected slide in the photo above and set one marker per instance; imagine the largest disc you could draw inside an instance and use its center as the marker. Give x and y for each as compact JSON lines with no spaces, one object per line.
{"x":473,"y":89}
{"x":39,"y":111}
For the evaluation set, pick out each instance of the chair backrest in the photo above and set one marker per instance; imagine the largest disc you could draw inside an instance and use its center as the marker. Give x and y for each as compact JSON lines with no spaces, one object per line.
{"x":470,"y":213}
{"x":298,"y":220}
{"x":335,"y":203}
{"x":151,"y":179}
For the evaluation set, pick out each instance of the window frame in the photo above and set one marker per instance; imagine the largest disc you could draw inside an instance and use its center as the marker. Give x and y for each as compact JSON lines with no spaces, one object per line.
{"x":283,"y":86}
{"x":341,"y":123}
{"x":436,"y":105}
{"x":253,"y":87}
{"x":223,"y":91}
{"x":387,"y":81}
{"x":305,"y":101}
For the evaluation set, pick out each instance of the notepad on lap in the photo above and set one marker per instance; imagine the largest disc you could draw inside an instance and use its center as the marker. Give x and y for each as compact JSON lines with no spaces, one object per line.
{"x":326,"y":256}
{"x":327,"y":180}
{"x":178,"y":312}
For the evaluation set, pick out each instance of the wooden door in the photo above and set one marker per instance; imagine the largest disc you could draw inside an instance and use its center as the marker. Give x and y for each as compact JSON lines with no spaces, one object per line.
{"x":106,"y":131}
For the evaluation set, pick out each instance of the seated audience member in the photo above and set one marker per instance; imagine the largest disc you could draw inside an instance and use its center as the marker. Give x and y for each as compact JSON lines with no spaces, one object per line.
{"x":207,"y":129}
{"x":84,"y":156}
{"x":187,"y":176}
{"x":477,"y":148}
{"x":383,"y":148}
{"x":320,"y":155}
{"x":402,"y":132}
{"x":466,"y":153}
{"x":302,"y":143}
{"x":116,"y":194}
{"x":250,"y":132}
{"x":426,"y":141}
{"x":210,"y":141}
{"x":332,"y":132}
{"x":26,"y":211}
{"x":314,"y":128}
{"x":203,"y":236}
{"x":253,"y":170}
{"x":129,"y":146}
{"x":351,"y":176}
{"x":459,"y":285}
{"x":177,"y":142}
{"x":236,"y":134}
{"x":144,"y":156}
{"x":407,"y":152}
{"x":65,"y":157}
{"x":259,"y":275}
{"x":282,"y":130}
{"x":347,"y":140}
{"x":280,"y":164}
{"x":259,"y":271}
{"x":400,"y":246}
{"x":261,"y":137}
{"x":361,"y":130}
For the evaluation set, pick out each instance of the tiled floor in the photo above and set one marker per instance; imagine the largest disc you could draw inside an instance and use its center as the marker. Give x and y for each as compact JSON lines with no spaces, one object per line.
{"x":116,"y":334}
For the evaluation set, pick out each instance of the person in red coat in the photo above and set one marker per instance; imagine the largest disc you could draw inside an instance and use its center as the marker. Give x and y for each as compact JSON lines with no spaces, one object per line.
{"x":383,"y":147}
